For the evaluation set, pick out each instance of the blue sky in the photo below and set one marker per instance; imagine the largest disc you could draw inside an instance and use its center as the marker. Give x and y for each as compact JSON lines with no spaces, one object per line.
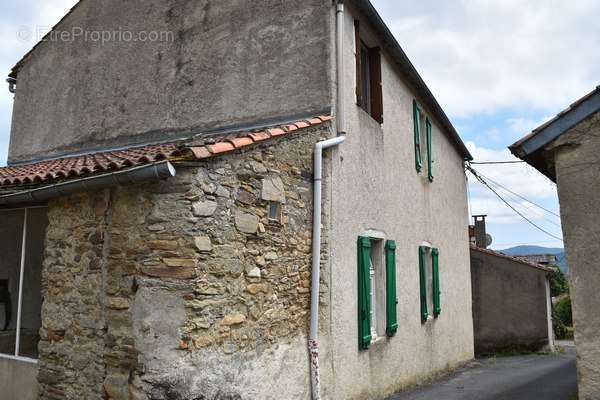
{"x":498,"y":67}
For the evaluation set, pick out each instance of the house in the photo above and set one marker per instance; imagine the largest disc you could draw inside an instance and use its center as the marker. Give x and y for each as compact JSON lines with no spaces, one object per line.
{"x":543,"y":259}
{"x":267,"y":204}
{"x":567,"y":149}
{"x":511,"y":300}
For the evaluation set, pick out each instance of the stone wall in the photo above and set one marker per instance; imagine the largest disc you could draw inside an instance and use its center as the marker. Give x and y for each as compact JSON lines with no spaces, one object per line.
{"x":184,"y":289}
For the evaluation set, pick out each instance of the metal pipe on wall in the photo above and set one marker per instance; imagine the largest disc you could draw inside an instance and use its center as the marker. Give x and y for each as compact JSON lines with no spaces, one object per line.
{"x":313,"y":341}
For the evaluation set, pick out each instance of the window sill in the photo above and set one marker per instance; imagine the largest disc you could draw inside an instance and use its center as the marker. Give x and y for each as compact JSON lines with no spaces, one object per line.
{"x":22,"y":359}
{"x":378,"y":341}
{"x":366,"y":113}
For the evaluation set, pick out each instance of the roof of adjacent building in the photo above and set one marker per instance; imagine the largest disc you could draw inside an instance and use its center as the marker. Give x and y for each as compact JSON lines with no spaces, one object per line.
{"x":390,"y":44}
{"x":510,"y":258}
{"x":16,"y":178}
{"x":531,"y":148}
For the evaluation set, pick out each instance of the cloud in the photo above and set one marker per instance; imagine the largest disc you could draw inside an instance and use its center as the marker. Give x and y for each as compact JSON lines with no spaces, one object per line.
{"x":521,"y":179}
{"x":479,"y":56}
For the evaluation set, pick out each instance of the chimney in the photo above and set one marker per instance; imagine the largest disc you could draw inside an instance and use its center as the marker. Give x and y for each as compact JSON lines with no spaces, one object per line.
{"x":480,"y":233}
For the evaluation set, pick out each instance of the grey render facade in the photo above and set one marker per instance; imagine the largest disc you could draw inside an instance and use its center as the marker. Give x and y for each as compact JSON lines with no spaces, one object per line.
{"x":198,"y":286}
{"x":566,"y":150}
{"x":511,"y":303}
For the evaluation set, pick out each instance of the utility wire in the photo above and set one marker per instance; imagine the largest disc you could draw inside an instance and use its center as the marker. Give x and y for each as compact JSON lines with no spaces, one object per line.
{"x":518,"y":195}
{"x":481,"y":179}
{"x":527,"y":206}
{"x":497,"y":162}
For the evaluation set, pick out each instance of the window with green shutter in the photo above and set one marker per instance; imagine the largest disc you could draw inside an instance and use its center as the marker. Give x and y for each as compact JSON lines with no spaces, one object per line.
{"x":437,"y":307}
{"x":364,"y":290}
{"x":429,"y":150}
{"x":423,"y":282}
{"x":390,"y":280}
{"x":417,"y":129}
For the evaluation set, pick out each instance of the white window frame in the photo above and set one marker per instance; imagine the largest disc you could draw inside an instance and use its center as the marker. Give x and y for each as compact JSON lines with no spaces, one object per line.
{"x":16,"y":355}
{"x":377,"y":289}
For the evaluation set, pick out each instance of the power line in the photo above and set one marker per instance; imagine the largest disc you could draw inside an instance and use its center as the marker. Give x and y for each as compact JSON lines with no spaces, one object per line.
{"x":518,"y":195}
{"x":529,"y":207}
{"x":480,"y":179}
{"x":524,"y":244}
{"x":497,"y":162}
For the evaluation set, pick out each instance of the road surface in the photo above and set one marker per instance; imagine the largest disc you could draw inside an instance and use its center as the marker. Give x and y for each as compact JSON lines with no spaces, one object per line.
{"x":531,"y":377}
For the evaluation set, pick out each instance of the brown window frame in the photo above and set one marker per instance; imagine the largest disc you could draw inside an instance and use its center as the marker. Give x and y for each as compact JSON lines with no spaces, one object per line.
{"x":369,"y":93}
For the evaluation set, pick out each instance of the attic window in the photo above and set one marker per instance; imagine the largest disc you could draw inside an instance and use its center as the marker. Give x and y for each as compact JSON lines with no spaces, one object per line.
{"x":369,"y":95}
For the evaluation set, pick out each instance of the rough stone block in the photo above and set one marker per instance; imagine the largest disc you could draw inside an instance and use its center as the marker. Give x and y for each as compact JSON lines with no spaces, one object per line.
{"x":246,"y":223}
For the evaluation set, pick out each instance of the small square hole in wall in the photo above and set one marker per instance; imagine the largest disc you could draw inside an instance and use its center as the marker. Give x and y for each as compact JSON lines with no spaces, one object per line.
{"x":274,"y":209}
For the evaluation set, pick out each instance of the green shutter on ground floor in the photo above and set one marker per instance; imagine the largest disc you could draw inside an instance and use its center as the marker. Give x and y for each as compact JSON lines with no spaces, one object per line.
{"x":364,"y":285}
{"x":437,"y":307}
{"x":390,"y":283}
{"x":423,"y":282}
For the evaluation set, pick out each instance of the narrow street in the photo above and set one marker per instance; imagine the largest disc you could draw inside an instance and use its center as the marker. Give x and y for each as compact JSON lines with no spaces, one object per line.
{"x":530,"y":377}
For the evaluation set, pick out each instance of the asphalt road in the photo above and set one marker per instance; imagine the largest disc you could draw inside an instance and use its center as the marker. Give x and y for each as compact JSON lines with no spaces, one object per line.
{"x":531,"y":377}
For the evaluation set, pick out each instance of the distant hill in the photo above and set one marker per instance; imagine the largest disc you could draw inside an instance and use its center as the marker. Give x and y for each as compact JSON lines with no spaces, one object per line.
{"x":529,"y":250}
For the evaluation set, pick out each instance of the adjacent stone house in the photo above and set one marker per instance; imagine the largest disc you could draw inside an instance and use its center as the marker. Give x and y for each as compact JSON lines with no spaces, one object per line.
{"x":511,"y":300}
{"x":271,"y":205}
{"x":567,"y":150}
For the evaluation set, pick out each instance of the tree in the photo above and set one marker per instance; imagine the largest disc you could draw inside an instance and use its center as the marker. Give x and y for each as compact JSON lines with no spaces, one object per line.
{"x":558,"y":283}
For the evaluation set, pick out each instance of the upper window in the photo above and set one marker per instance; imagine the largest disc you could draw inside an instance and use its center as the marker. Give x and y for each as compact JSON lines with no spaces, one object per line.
{"x":368,"y":77}
{"x":423,"y":132}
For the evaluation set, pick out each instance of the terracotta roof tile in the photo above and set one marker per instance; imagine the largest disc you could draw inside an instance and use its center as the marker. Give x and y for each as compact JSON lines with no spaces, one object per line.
{"x":101,"y":162}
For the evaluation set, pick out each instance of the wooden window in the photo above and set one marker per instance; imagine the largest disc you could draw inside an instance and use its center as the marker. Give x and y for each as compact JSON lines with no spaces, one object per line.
{"x":369,"y":94}
{"x":423,"y":282}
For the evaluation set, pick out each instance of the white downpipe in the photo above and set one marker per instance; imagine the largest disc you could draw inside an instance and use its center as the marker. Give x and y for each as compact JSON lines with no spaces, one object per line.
{"x":313,"y":341}
{"x":20,"y":301}
{"x":341,"y":108}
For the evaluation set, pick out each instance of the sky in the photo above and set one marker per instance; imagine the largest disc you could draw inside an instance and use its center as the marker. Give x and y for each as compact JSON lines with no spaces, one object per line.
{"x":499,"y":68}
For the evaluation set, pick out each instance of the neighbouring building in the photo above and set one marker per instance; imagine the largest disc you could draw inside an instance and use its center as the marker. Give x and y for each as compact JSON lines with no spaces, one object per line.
{"x":511,"y":301}
{"x":567,"y":150}
{"x":159,"y":204}
{"x":542,"y":259}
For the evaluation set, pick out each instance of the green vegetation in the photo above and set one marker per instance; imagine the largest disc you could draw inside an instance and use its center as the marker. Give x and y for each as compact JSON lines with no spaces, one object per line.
{"x":562,"y":315}
{"x":558,"y":283}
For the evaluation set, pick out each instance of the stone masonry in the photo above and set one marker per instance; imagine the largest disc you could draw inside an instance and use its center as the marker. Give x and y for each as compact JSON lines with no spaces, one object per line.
{"x":174,"y":290}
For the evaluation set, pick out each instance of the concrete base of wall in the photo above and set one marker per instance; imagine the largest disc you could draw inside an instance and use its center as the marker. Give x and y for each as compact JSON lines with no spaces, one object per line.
{"x":18,"y":380}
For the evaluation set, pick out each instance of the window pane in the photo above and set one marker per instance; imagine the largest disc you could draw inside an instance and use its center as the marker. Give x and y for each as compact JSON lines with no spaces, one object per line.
{"x":32,"y":281}
{"x":373,"y":301}
{"x":11,"y":232}
{"x":365,"y":64}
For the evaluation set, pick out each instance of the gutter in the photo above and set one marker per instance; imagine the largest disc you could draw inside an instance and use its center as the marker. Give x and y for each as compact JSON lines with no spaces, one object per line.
{"x":144,"y":173}
{"x":313,"y":340}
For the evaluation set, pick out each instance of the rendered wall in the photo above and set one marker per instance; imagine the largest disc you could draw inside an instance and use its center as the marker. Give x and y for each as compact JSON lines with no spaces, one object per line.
{"x":577,"y":158}
{"x":227,"y":62}
{"x":509,"y":304}
{"x":18,"y":380}
{"x":375,"y":186}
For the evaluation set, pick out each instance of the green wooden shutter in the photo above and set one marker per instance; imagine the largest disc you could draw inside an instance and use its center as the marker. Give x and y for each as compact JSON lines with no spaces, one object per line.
{"x":429,"y":150}
{"x":417,"y":122}
{"x":364,"y":285}
{"x":423,"y":282}
{"x":437,"y":307}
{"x":390,"y":283}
